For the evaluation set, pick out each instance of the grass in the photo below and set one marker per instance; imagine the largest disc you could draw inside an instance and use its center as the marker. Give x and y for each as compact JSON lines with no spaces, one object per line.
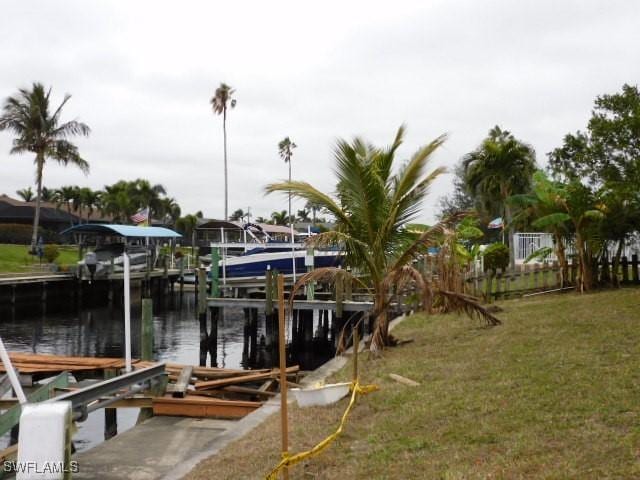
{"x":552,"y":393}
{"x":16,"y":258}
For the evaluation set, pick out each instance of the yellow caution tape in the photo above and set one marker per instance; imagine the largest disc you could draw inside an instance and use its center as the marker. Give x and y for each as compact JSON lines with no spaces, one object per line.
{"x":288,"y":460}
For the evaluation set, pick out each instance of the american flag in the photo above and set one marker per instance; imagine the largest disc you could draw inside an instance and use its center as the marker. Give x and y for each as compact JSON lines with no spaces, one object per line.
{"x":140,"y":216}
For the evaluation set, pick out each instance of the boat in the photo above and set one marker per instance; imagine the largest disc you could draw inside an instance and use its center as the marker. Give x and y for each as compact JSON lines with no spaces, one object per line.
{"x":254,"y":263}
{"x":110,"y":259}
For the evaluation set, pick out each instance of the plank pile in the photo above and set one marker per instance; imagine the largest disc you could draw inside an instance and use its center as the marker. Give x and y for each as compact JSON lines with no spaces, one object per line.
{"x":216,"y":392}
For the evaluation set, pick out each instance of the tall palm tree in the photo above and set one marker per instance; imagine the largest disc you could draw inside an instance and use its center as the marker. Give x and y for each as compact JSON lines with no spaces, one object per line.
{"x":220,"y":102}
{"x":26,"y":194}
{"x":500,"y":167}
{"x":38,"y":130}
{"x":285,"y":150}
{"x":372,"y":208}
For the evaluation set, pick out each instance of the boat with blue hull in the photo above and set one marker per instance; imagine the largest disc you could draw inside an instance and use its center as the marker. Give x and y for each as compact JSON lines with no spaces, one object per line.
{"x":255,"y":263}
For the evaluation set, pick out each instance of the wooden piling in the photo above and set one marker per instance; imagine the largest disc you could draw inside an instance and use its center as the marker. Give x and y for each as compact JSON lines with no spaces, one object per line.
{"x":283,"y":373}
{"x":110,"y":414}
{"x":146,"y":333}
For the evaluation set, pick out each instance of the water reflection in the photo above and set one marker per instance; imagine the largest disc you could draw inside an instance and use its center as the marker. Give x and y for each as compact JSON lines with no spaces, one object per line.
{"x":233,"y":338}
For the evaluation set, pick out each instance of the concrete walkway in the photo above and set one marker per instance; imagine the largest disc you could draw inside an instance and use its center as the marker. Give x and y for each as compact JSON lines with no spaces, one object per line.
{"x":152,"y":449}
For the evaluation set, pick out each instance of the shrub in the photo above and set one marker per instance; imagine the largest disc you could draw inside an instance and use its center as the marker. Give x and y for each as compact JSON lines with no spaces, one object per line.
{"x":20,"y":234}
{"x":496,"y":256}
{"x":51,"y":252}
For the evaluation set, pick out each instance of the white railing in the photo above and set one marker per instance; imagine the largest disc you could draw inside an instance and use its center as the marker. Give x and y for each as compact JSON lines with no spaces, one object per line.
{"x":527,"y":243}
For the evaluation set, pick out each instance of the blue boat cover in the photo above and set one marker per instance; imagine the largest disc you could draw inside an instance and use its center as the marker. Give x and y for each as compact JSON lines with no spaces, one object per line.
{"x":123,"y":230}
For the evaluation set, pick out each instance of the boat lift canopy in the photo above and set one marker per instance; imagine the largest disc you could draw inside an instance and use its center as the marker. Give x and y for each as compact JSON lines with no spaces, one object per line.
{"x":127,"y":231}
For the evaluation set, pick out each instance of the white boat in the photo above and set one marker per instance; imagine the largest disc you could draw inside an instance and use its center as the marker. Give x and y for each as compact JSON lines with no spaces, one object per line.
{"x":110,"y":259}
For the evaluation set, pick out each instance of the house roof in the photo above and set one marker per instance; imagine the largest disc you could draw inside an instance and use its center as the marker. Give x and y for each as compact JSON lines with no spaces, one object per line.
{"x":123,"y":231}
{"x":11,"y":208}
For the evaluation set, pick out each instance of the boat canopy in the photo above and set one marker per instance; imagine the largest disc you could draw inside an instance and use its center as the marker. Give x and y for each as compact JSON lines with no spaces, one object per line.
{"x":128,"y":231}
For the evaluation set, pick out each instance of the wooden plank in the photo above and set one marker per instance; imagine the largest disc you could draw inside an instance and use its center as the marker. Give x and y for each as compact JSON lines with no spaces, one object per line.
{"x":403,"y":380}
{"x":12,"y":416}
{"x":203,"y":407}
{"x":249,"y":391}
{"x":242,"y":379}
{"x":180,"y":388}
{"x":266,"y":386}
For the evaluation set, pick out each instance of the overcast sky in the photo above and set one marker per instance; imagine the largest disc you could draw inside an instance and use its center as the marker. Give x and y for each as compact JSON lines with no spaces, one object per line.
{"x":141,"y":75}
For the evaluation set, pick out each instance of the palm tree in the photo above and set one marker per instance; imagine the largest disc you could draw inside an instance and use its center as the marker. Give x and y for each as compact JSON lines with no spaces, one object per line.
{"x":314,"y":207}
{"x":372,"y":207}
{"x":303,"y":215}
{"x":500,"y":167}
{"x":48,"y":194}
{"x":220,"y":102}
{"x":26,"y":194}
{"x":169,"y":210}
{"x":67,"y":196}
{"x":237,"y":214}
{"x":38,"y":130}
{"x":280,"y":218}
{"x":285,"y":150}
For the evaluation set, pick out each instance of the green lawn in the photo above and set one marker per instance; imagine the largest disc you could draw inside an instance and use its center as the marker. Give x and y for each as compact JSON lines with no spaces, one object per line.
{"x":552,"y":393}
{"x":16,"y":259}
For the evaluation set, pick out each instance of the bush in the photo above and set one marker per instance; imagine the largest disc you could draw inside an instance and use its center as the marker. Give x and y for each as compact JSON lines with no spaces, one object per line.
{"x":20,"y":234}
{"x":51,"y":252}
{"x":496,"y":256}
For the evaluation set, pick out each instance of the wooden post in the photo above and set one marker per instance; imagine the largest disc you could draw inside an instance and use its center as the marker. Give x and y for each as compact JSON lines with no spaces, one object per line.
{"x":110,"y":414}
{"x":146,"y":337}
{"x":202,"y":291}
{"x":283,"y":372}
{"x":356,"y":345}
{"x":309,"y":262}
{"x":268,"y":293}
{"x":634,"y":268}
{"x":487,"y":282}
{"x":625,"y":269}
{"x":215,"y":284}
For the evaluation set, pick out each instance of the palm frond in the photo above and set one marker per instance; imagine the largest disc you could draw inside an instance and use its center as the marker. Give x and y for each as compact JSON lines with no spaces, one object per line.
{"x":306,"y":191}
{"x":469,"y":305}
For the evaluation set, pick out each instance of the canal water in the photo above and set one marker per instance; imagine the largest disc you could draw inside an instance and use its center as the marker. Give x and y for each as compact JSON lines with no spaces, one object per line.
{"x":55,"y":328}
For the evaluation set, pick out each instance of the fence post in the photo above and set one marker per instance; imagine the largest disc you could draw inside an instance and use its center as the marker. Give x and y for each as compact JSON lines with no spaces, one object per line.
{"x":488,"y":280}
{"x":624,"y":262}
{"x":634,"y":268}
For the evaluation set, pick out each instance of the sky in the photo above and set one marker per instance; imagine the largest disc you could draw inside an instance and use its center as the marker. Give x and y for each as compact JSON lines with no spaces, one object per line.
{"x":141,"y":75}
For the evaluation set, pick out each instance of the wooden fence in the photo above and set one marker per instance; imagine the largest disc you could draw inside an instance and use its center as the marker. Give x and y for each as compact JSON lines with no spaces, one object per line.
{"x":532,"y":278}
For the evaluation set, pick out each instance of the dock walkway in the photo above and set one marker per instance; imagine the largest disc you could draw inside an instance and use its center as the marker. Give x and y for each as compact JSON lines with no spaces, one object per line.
{"x":151,"y":450}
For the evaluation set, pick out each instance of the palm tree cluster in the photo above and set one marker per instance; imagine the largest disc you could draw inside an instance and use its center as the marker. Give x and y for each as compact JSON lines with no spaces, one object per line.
{"x":372,"y":205}
{"x":587,"y":200}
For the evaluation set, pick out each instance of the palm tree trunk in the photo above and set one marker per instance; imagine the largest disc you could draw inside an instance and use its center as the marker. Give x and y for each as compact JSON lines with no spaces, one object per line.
{"x":615,"y":263}
{"x":36,"y":217}
{"x":512,"y":247}
{"x":562,"y":258}
{"x":226,"y":192}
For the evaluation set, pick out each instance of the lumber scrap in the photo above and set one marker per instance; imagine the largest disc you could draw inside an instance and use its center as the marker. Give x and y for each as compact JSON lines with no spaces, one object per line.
{"x":180,"y":388}
{"x":29,"y":363}
{"x":198,"y":406}
{"x":224,"y":382}
{"x":403,"y":380}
